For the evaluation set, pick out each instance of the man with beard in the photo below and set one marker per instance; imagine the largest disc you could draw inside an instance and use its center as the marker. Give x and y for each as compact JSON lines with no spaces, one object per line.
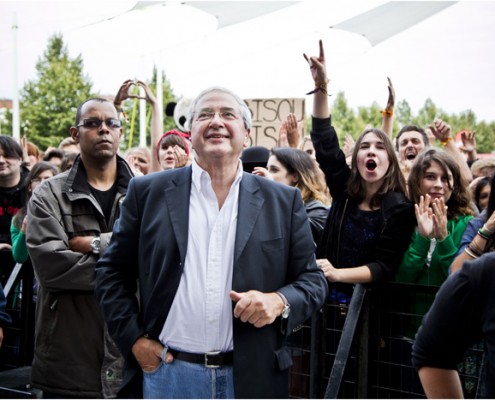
{"x":70,"y":220}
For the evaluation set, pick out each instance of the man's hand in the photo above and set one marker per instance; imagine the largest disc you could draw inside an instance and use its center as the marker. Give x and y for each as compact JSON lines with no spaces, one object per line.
{"x":257,"y":308}
{"x":1,"y":336}
{"x":81,"y":244}
{"x":148,"y":354}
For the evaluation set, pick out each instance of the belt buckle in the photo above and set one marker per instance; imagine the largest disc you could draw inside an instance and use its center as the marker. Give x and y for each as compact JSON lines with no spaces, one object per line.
{"x":207,"y":362}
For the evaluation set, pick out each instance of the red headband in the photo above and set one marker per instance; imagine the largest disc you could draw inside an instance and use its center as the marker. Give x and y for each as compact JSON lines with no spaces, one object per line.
{"x":183,"y":136}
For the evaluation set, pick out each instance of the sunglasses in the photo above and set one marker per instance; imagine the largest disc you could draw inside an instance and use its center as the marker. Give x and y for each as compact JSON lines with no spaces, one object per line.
{"x":93,"y":123}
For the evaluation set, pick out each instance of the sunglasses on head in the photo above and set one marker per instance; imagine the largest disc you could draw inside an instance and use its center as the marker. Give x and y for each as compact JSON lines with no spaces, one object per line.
{"x":93,"y":123}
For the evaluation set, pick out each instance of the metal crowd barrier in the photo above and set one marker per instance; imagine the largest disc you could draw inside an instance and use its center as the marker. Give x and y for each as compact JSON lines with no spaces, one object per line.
{"x":360,"y":347}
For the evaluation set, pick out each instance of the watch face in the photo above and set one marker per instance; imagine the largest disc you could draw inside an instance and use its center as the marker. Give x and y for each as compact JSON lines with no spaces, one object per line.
{"x":286,"y":311}
{"x":95,"y":245}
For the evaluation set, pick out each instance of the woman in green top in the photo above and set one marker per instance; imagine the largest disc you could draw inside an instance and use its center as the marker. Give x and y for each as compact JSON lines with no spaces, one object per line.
{"x":39,"y":173}
{"x":443,"y":210}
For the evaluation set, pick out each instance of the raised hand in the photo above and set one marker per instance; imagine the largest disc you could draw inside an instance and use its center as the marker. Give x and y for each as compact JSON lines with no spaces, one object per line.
{"x":149,"y":96}
{"x":441,"y":130}
{"x":424,"y":216}
{"x":124,"y":92}
{"x":391,"y":96}
{"x":292,"y":131}
{"x":283,"y":141}
{"x":468,"y":141}
{"x":439,"y":219}
{"x":318,"y":71}
{"x":317,"y":66}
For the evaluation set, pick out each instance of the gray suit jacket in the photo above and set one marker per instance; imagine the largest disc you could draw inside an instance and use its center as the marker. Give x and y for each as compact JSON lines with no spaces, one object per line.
{"x":274,"y":251}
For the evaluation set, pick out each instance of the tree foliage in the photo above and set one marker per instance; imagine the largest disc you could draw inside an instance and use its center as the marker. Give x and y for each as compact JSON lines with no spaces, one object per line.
{"x":346,"y":120}
{"x":48,"y":103}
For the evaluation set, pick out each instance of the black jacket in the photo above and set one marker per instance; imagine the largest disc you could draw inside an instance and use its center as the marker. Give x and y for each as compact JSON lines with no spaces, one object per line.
{"x":397,"y":213}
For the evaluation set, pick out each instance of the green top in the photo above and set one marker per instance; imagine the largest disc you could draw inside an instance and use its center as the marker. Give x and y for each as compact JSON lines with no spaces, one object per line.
{"x":414,"y":268}
{"x":19,"y":249}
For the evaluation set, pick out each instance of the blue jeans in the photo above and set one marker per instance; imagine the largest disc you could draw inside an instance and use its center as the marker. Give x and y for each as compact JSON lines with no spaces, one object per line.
{"x":183,"y":380}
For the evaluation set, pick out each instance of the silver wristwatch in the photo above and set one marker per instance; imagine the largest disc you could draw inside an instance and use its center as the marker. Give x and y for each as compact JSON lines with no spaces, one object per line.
{"x":286,"y":310}
{"x":95,"y":245}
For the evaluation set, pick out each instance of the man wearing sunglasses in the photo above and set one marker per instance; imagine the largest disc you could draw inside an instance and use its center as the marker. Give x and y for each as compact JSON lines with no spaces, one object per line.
{"x":70,"y":224}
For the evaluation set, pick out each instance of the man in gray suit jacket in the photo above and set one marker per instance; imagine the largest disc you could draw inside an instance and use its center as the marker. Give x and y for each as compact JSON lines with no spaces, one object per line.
{"x":224,"y":266}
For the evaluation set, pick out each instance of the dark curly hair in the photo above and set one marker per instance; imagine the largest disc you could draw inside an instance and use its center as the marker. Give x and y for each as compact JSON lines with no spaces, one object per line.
{"x":460,"y":200}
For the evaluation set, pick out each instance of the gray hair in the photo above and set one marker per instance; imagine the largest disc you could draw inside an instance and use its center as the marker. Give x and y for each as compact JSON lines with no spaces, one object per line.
{"x":245,"y":112}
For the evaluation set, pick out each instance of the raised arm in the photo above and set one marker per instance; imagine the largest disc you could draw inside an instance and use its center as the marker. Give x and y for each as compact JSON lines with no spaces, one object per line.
{"x":388,"y":112}
{"x":156,"y":125}
{"x":319,"y":74}
{"x":442,"y":131}
{"x":329,"y":156}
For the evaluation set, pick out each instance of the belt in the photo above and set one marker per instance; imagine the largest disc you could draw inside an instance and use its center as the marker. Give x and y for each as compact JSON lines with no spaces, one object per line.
{"x":212,"y":359}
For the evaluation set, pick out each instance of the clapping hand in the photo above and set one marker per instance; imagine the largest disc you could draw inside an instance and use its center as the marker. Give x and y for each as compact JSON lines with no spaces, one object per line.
{"x":439,"y":219}
{"x":424,"y":216}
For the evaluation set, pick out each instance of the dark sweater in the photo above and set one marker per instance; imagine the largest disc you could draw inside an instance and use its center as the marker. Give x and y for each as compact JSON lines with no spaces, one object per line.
{"x":463,"y":313}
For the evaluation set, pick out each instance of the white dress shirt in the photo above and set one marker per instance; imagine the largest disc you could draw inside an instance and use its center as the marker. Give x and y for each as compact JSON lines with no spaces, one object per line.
{"x":200,"y":318}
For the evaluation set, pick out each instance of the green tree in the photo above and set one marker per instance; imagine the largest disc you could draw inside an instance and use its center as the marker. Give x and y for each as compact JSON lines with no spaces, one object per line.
{"x":403,"y":113}
{"x":343,"y":118}
{"x":5,"y":121}
{"x":427,"y":114}
{"x":49,"y":102}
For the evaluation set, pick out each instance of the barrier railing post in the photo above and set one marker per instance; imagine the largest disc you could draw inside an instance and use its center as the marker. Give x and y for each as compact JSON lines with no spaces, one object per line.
{"x":345,"y":343}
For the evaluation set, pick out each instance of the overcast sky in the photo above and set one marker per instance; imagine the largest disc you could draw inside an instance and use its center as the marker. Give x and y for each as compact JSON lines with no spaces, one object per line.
{"x":448,"y":57}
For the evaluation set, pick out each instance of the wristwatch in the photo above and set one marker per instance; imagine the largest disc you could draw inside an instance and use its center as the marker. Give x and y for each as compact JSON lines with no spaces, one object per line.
{"x":95,"y":245}
{"x":286,"y":310}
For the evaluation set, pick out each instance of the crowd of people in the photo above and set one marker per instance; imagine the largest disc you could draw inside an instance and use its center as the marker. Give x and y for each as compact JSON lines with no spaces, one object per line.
{"x":180,"y":270}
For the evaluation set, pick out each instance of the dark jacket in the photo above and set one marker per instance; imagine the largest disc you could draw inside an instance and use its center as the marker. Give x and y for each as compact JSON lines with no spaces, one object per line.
{"x":69,"y":343}
{"x":274,"y":251}
{"x":11,"y":199}
{"x":397,"y":213}
{"x":317,"y":216}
